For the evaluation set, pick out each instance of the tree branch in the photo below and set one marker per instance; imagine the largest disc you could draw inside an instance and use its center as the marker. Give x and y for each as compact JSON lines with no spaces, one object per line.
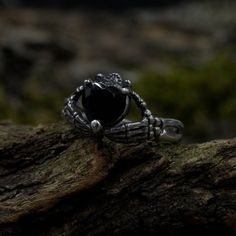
{"x":54,"y":182}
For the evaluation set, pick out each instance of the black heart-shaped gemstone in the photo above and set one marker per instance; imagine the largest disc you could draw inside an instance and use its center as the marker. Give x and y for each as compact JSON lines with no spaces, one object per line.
{"x":104,"y":104}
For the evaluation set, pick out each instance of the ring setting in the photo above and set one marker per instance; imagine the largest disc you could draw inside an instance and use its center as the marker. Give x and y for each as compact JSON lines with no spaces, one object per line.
{"x":99,"y":107}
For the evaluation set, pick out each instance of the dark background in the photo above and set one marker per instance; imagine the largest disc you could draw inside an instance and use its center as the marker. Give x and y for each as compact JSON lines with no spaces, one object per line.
{"x":180,"y":56}
{"x":90,"y":3}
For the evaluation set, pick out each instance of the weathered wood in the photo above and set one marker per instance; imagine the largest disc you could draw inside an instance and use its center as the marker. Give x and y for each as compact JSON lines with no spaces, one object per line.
{"x":54,"y":182}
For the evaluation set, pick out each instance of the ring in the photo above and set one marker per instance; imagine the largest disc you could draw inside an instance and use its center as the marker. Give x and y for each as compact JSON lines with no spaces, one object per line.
{"x":99,"y":107}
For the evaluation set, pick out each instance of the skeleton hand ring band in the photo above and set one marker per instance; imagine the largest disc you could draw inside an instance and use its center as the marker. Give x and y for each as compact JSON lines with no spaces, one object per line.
{"x":99,"y":107}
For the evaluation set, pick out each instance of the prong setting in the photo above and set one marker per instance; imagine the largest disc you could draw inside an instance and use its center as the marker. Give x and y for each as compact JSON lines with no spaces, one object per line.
{"x":99,"y":76}
{"x":128,"y":83}
{"x":88,"y":83}
{"x":125,"y":91}
{"x":96,"y":126}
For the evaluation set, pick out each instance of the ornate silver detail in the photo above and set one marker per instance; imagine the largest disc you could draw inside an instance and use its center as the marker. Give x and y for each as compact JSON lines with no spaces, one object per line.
{"x":149,"y":128}
{"x":96,"y":126}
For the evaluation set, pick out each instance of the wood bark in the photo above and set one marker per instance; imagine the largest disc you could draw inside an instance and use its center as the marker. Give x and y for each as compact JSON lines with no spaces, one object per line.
{"x":55,"y":182}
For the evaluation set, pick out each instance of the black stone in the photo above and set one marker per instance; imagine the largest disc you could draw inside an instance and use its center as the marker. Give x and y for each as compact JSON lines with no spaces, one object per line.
{"x":104,"y":104}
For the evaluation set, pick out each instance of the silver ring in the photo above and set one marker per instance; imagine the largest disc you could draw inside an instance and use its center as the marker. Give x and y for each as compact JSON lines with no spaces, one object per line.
{"x":99,"y":107}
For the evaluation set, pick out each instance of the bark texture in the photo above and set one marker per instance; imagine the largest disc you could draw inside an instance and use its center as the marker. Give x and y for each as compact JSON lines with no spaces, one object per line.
{"x":55,"y":182}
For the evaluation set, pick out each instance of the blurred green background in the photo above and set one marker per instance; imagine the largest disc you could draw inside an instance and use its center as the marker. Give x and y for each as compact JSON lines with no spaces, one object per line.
{"x":180,"y":57}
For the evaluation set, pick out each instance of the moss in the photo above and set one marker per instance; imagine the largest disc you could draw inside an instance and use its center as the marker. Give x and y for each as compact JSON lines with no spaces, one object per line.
{"x":204,"y":151}
{"x":203,"y":98}
{"x":42,"y":100}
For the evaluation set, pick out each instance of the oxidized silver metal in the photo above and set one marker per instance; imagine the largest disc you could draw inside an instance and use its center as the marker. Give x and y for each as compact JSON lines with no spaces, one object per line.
{"x":149,"y":128}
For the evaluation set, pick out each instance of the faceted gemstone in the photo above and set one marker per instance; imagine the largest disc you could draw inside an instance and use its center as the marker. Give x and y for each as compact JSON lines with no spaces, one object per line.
{"x":104,"y":104}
